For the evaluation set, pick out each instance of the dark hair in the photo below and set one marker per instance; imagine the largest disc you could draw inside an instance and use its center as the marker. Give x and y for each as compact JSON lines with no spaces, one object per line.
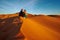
{"x":21,"y":12}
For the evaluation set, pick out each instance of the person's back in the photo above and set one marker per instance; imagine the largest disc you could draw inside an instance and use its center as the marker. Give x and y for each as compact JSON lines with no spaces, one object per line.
{"x":21,"y":13}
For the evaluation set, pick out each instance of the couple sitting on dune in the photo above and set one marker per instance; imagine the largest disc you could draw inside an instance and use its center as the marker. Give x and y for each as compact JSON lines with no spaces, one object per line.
{"x":23,"y":13}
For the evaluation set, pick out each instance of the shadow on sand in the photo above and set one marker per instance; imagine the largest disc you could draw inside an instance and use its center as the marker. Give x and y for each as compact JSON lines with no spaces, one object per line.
{"x":9,"y":28}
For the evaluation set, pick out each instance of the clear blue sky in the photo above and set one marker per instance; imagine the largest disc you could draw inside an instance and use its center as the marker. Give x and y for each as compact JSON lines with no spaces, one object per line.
{"x":32,"y":6}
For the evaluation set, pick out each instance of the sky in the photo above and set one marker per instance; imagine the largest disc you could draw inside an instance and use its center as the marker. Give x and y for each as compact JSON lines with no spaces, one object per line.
{"x":31,"y":6}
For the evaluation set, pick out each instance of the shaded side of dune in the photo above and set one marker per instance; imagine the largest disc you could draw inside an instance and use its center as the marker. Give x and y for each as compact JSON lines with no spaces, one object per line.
{"x":9,"y":28}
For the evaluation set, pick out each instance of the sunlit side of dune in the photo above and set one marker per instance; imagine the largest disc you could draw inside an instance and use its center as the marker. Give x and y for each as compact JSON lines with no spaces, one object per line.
{"x":41,"y":28}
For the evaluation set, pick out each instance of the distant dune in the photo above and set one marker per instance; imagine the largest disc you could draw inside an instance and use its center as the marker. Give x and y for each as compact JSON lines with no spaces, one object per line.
{"x":34,"y":27}
{"x":7,"y":16}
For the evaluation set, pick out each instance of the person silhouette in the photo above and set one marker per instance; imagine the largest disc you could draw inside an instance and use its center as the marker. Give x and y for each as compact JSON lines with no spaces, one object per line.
{"x":23,"y":13}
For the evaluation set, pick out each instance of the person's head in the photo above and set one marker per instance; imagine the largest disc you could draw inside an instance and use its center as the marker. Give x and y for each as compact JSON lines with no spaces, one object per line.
{"x":24,"y":11}
{"x":21,"y":9}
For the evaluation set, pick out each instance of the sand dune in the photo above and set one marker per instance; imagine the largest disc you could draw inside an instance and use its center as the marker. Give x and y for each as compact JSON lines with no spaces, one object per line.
{"x":34,"y":27}
{"x":7,"y":15}
{"x":41,"y":28}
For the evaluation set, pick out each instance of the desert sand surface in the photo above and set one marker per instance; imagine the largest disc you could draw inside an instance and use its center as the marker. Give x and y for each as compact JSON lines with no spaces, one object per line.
{"x":40,"y":27}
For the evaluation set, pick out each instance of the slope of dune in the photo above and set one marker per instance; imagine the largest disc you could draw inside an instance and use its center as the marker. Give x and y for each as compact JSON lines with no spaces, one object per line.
{"x":41,"y":28}
{"x":10,"y":27}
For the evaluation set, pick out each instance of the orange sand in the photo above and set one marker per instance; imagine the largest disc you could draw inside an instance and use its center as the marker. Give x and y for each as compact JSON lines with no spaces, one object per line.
{"x":41,"y":28}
